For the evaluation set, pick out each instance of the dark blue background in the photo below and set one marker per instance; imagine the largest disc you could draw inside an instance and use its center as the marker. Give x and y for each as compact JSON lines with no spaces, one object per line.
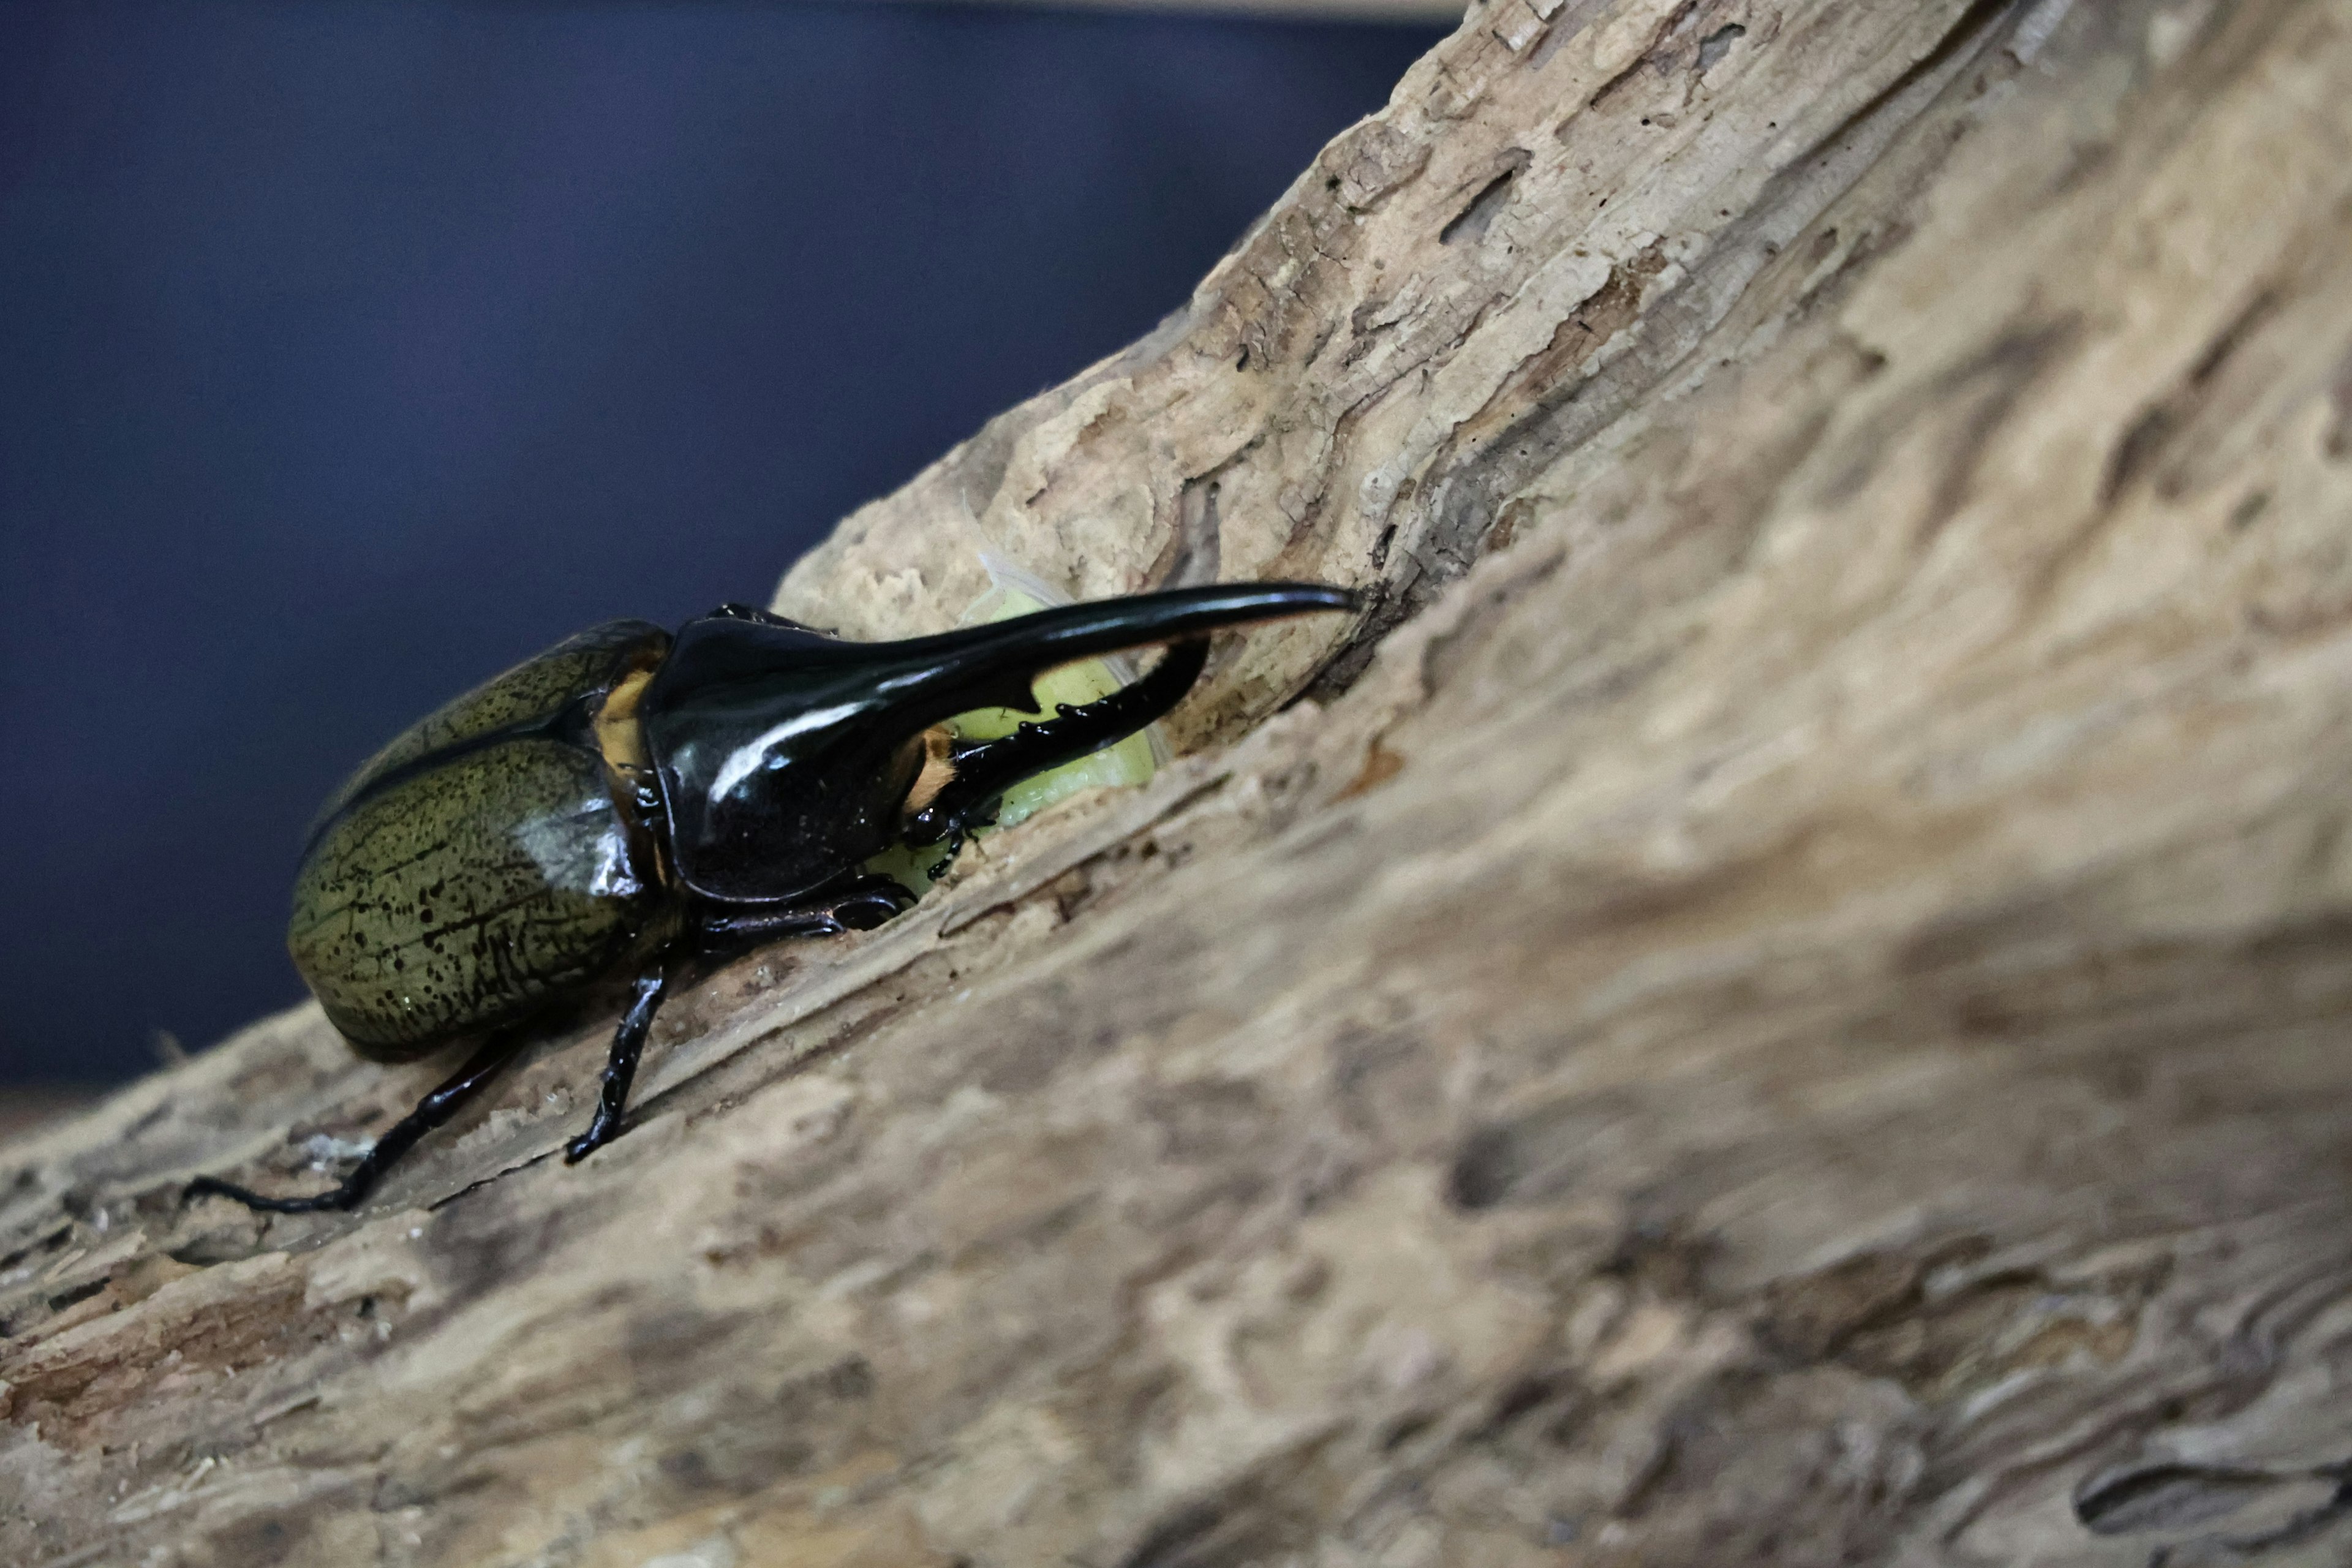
{"x":348,"y":354}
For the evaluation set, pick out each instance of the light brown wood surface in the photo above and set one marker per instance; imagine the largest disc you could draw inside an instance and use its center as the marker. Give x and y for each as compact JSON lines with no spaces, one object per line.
{"x":1784,"y":999}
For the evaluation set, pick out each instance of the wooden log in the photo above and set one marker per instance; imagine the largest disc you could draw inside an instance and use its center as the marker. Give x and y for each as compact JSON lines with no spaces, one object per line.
{"x":1784,"y":999}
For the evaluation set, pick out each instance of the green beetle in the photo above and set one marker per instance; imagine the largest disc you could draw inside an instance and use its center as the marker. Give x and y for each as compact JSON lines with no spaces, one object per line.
{"x":631,"y":804}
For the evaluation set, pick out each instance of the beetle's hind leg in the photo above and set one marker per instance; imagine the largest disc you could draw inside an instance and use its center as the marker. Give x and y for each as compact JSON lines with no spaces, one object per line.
{"x":435,"y":1109}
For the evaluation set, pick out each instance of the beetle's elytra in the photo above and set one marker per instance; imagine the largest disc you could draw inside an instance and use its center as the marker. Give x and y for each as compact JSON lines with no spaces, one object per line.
{"x":630,"y":803}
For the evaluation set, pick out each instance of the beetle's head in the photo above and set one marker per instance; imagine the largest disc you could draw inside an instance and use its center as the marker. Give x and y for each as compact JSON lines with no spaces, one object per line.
{"x":787,"y":757}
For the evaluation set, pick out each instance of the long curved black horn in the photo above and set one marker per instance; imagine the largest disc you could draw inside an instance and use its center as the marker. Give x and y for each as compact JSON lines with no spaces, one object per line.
{"x":992,"y":666}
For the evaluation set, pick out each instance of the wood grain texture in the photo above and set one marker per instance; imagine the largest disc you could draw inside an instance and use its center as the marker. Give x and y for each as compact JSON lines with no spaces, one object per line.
{"x":1786,"y":1000}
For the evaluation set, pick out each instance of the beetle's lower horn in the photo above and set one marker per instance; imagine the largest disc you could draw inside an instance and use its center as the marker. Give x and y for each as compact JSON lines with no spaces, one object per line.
{"x":986,"y":770}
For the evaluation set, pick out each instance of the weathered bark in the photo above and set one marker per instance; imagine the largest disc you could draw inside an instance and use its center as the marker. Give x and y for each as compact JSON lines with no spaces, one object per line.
{"x":1786,"y":1001}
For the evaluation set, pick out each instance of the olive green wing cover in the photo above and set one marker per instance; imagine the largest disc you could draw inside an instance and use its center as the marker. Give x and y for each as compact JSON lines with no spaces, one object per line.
{"x":469,"y":896}
{"x":478,"y":867}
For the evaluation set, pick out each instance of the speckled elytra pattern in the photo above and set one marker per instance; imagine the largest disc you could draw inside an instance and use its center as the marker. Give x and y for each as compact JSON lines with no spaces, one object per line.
{"x":467,"y":897}
{"x":460,"y":896}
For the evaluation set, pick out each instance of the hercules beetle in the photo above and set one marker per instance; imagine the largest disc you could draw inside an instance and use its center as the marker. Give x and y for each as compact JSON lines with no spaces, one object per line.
{"x":631,"y":804}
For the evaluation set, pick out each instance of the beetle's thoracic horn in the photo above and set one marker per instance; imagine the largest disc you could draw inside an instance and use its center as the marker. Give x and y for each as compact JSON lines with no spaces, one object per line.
{"x":992,"y":666}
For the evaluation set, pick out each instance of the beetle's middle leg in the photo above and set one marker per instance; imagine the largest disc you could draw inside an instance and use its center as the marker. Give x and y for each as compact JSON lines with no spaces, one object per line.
{"x":859,"y":901}
{"x":621,"y":1063}
{"x":446,"y":1100}
{"x":852,"y":903}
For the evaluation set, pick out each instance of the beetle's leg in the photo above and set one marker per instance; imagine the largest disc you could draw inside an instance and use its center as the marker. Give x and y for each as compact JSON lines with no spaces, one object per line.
{"x":866,"y":901}
{"x":856,"y":902}
{"x":435,"y":1109}
{"x":983,"y":815}
{"x":853,"y":903}
{"x":984,"y":772}
{"x":621,"y":1064}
